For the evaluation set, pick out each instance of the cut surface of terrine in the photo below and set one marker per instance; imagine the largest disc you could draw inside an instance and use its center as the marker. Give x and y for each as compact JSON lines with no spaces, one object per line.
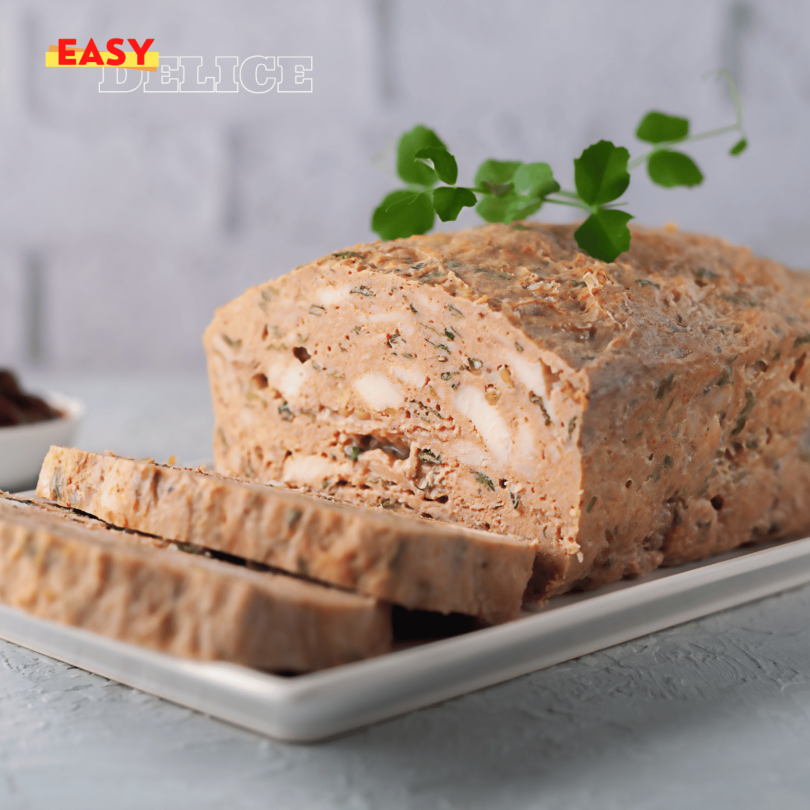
{"x":614,"y":417}
{"x":78,"y":571}
{"x":410,"y":562}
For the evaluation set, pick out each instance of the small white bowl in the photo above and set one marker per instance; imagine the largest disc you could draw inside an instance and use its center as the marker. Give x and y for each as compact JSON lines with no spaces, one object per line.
{"x":24,"y":447}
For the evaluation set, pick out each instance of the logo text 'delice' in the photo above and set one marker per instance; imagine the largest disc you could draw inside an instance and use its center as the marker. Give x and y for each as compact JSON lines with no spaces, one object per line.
{"x":228,"y":74}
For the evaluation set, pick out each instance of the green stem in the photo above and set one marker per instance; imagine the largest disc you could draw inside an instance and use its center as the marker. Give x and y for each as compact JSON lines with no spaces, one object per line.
{"x":712,"y":133}
{"x":732,"y":89}
{"x":701,"y":136}
{"x":583,"y":205}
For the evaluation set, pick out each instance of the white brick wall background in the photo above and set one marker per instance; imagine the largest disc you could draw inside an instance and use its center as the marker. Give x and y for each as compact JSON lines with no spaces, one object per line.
{"x":126,"y":219}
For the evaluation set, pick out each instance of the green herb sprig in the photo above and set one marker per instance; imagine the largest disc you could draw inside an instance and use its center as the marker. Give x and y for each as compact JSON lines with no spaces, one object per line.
{"x":505,"y":191}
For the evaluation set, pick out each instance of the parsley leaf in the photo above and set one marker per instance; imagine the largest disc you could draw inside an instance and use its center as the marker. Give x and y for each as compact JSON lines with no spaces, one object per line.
{"x":495,"y":176}
{"x":535,"y":180}
{"x":507,"y":208}
{"x":600,"y":173}
{"x":493,"y":209}
{"x":669,"y":169}
{"x":519,"y":209}
{"x":657,"y":127}
{"x":604,"y":234}
{"x":409,"y":168}
{"x":496,"y":209}
{"x":738,"y":147}
{"x":403,"y":213}
{"x":448,"y":202}
{"x":444,"y":164}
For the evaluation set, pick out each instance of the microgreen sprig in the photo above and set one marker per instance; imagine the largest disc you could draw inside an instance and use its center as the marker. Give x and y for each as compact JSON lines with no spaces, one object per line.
{"x":505,"y":191}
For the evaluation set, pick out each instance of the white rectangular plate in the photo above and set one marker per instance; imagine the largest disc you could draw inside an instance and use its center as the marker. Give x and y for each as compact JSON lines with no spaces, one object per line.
{"x":312,"y":707}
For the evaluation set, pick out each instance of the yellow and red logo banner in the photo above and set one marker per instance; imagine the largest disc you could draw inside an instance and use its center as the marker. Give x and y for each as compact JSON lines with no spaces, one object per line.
{"x":66,"y":54}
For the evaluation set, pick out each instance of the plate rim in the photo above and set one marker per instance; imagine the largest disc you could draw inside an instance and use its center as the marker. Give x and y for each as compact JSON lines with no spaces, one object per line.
{"x":315,"y":706}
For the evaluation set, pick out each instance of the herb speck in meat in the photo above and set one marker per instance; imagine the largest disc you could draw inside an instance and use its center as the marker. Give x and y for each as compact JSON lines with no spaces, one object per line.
{"x":484,"y":479}
{"x":664,"y":386}
{"x":292,"y":518}
{"x":234,"y":344}
{"x":535,"y":400}
{"x":743,"y":417}
{"x":428,"y":457}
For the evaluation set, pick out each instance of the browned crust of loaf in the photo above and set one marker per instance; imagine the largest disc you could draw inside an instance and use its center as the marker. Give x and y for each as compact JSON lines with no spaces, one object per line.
{"x":80,"y":572}
{"x":406,"y":561}
{"x":582,"y":304}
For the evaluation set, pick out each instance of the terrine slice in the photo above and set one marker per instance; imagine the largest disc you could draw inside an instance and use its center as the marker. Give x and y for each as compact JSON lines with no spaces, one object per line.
{"x":78,"y":571}
{"x":412,"y":562}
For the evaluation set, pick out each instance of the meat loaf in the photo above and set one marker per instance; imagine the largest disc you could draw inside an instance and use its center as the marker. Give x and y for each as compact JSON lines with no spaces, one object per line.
{"x":78,"y":571}
{"x":614,"y":417}
{"x":411,"y":562}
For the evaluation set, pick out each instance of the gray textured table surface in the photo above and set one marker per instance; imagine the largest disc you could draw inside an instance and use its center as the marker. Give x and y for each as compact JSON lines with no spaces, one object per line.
{"x":711,"y":713}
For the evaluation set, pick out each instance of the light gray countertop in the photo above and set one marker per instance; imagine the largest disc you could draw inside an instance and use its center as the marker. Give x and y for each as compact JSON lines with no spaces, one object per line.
{"x":712,"y":713}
